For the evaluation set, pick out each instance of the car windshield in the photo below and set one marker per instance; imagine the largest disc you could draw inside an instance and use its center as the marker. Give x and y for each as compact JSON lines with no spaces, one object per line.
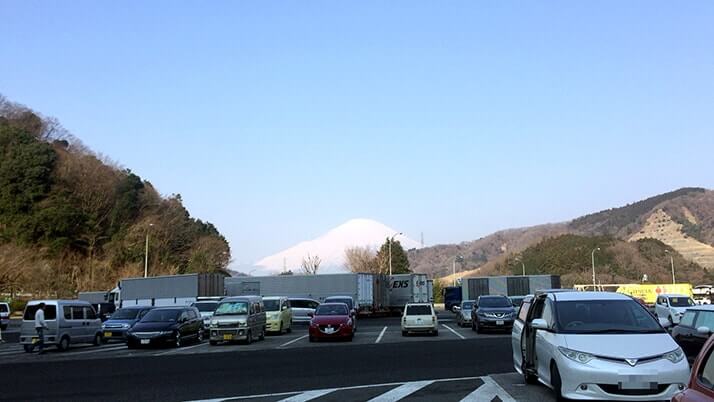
{"x":494,"y":302}
{"x":161,"y":316}
{"x":205,"y":307}
{"x":604,"y":316}
{"x":126,"y":314}
{"x":345,"y":300}
{"x":419,"y":309}
{"x":232,"y":308}
{"x":467,"y":305}
{"x":272,"y":305}
{"x":331,"y":309}
{"x":681,"y":302}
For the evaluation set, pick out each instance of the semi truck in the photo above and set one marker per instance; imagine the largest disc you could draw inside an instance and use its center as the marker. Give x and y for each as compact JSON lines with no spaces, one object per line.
{"x":452,"y":297}
{"x":408,"y":288}
{"x":368,"y":290}
{"x":472,"y":288}
{"x":172,"y":290}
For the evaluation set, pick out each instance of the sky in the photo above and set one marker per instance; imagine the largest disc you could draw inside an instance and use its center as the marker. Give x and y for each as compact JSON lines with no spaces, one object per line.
{"x":278,"y":121}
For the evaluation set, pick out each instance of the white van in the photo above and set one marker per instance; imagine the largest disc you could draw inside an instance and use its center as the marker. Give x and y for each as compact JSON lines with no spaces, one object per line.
{"x":69,"y":321}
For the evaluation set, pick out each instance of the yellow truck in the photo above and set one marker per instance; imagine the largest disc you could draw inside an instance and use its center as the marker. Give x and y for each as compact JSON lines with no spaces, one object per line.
{"x":649,"y":293}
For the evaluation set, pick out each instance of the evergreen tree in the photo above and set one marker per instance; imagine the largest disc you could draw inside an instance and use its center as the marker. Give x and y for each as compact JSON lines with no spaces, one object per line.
{"x":400,"y":262}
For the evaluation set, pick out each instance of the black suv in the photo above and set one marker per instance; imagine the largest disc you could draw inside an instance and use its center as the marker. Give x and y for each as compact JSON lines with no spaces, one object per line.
{"x":494,"y":312}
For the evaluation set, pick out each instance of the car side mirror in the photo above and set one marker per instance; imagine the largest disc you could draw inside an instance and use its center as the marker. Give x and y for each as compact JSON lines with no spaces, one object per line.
{"x":456,"y":309}
{"x":664,"y":322}
{"x":540,"y":323}
{"x":704,"y":330}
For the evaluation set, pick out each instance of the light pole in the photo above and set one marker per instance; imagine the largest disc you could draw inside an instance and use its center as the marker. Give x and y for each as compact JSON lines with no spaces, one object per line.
{"x":453,"y":266}
{"x":146,"y":253}
{"x":391,"y":239}
{"x":671,"y":260}
{"x":593,"y":258}
{"x":523,"y":264}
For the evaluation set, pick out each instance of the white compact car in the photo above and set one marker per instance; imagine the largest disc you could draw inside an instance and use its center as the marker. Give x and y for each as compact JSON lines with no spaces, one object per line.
{"x":419,"y":317}
{"x":672,"y":307}
{"x":597,"y":346}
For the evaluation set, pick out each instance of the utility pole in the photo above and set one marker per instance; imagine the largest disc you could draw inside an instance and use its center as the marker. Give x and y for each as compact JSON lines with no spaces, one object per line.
{"x":391,"y":239}
{"x":523,"y":264}
{"x":671,"y":260}
{"x":593,"y":258}
{"x":146,"y":253}
{"x":453,"y":266}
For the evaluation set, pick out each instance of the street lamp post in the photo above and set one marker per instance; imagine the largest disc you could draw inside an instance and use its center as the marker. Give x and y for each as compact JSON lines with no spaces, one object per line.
{"x":146,"y":253}
{"x":593,"y":259}
{"x":453,"y":266}
{"x":391,"y":239}
{"x":523,"y":264}
{"x":671,"y":260}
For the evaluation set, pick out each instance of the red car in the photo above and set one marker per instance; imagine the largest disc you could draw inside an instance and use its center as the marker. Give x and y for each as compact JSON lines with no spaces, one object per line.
{"x":701,"y":383}
{"x":331,"y":321}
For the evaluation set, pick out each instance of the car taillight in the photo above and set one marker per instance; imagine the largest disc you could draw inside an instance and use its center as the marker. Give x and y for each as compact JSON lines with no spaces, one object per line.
{"x":433,"y":318}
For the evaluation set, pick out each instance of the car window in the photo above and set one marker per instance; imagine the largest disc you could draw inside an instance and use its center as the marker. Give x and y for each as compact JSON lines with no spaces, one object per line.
{"x":232,"y":308}
{"x":419,"y":310}
{"x":499,"y":301}
{"x":89,"y":313}
{"x":467,"y":305}
{"x":67,"y":312}
{"x":523,"y":312}
{"x":168,"y":315}
{"x":688,"y":319}
{"x":331,"y":309}
{"x":271,"y":305}
{"x":313,"y":304}
{"x":206,"y":306}
{"x":77,"y":313}
{"x":3,"y":308}
{"x":126,"y":314}
{"x":548,"y":312}
{"x":681,"y":302}
{"x":604,"y":316}
{"x":50,"y":312}
{"x":299,"y":303}
{"x":706,"y":373}
{"x":705,"y":319}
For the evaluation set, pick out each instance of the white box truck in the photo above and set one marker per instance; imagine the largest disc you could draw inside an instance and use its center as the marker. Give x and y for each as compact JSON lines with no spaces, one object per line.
{"x":407,"y":288}
{"x":171,"y":290}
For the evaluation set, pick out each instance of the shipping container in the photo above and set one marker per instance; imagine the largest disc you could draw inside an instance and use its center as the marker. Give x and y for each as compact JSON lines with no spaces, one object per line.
{"x":170,"y":290}
{"x":471,"y":288}
{"x":368,"y":290}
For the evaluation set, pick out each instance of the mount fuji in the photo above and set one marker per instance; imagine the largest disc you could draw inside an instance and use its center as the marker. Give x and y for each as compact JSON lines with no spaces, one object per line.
{"x":331,"y":246}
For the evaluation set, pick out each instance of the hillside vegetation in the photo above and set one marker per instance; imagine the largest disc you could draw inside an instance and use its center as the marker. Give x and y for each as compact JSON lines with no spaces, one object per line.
{"x":72,"y":221}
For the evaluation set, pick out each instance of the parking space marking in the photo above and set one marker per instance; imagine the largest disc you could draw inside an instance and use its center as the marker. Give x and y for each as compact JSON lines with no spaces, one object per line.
{"x":381,"y":334}
{"x":293,"y":341}
{"x":308,"y":396}
{"x":402,"y":391}
{"x":181,"y":349}
{"x":453,"y":331}
{"x":487,"y":392}
{"x":97,"y":350}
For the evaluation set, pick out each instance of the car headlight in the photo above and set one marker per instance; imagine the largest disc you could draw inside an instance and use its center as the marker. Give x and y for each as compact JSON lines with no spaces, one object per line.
{"x":214,"y":323}
{"x":125,"y":326}
{"x":674,"y":356}
{"x":104,"y":327}
{"x":167,"y":332}
{"x":574,"y":355}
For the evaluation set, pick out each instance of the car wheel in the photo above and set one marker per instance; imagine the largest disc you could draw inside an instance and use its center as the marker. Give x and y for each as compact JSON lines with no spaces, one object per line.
{"x":556,"y":382}
{"x":290,"y":328}
{"x":98,"y":340}
{"x":28,"y":348}
{"x":177,"y":340}
{"x":63,"y":344}
{"x":213,"y":343}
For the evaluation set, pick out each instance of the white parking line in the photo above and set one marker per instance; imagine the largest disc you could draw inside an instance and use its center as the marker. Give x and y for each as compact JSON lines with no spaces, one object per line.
{"x":293,"y":341}
{"x":308,"y":396}
{"x":454,"y":332}
{"x":98,"y":350}
{"x":487,"y":392}
{"x":401,"y":391}
{"x":381,"y":334}
{"x":181,"y":349}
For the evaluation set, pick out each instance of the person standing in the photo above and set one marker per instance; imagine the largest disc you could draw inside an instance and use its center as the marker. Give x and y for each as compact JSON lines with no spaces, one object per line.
{"x":40,"y":326}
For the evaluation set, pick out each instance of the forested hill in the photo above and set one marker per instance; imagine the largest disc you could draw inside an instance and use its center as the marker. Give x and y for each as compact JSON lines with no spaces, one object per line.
{"x":71,"y":221}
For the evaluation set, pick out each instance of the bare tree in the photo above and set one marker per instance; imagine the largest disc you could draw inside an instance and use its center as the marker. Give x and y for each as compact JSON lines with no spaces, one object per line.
{"x":361,"y":260}
{"x":311,"y":264}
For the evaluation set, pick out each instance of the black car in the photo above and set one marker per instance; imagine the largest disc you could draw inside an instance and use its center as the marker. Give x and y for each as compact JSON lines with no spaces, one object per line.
{"x":167,"y":326}
{"x":116,"y":327}
{"x":493,"y":312}
{"x":695,"y":327}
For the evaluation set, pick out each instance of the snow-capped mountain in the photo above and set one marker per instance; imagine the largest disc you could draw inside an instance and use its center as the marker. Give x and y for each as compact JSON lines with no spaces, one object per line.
{"x":331,"y":246}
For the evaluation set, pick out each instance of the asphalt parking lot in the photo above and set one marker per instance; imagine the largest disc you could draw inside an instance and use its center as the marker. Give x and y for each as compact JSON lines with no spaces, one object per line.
{"x":379,"y":364}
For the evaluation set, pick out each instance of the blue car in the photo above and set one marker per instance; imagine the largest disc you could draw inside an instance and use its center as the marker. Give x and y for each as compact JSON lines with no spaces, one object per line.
{"x":121,"y":321}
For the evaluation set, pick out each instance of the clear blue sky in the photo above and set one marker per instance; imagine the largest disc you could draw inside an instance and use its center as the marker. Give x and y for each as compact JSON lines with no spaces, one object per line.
{"x":280,"y":120}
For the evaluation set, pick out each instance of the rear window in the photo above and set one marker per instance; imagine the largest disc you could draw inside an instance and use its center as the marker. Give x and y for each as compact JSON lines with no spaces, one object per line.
{"x":126,"y":314}
{"x":50,"y":312}
{"x":206,"y":306}
{"x":298,"y":303}
{"x":345,"y":300}
{"x":419,"y":310}
{"x":3,"y":308}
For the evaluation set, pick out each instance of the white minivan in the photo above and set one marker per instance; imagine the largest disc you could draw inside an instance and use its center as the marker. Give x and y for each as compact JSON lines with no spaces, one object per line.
{"x":672,"y":307}
{"x":419,"y":317}
{"x":597,"y":346}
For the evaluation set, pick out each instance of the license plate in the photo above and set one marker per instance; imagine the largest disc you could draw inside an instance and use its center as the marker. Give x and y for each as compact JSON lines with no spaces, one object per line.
{"x":35,"y":340}
{"x":227,"y":337}
{"x":499,"y":322}
{"x":636,"y":385}
{"x":329,"y":330}
{"x":107,"y":334}
{"x":145,"y":341}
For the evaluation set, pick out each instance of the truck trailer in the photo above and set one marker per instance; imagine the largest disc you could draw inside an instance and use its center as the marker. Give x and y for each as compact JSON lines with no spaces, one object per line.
{"x":368,"y":290}
{"x":172,"y":290}
{"x":472,"y":288}
{"x":408,"y":288}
